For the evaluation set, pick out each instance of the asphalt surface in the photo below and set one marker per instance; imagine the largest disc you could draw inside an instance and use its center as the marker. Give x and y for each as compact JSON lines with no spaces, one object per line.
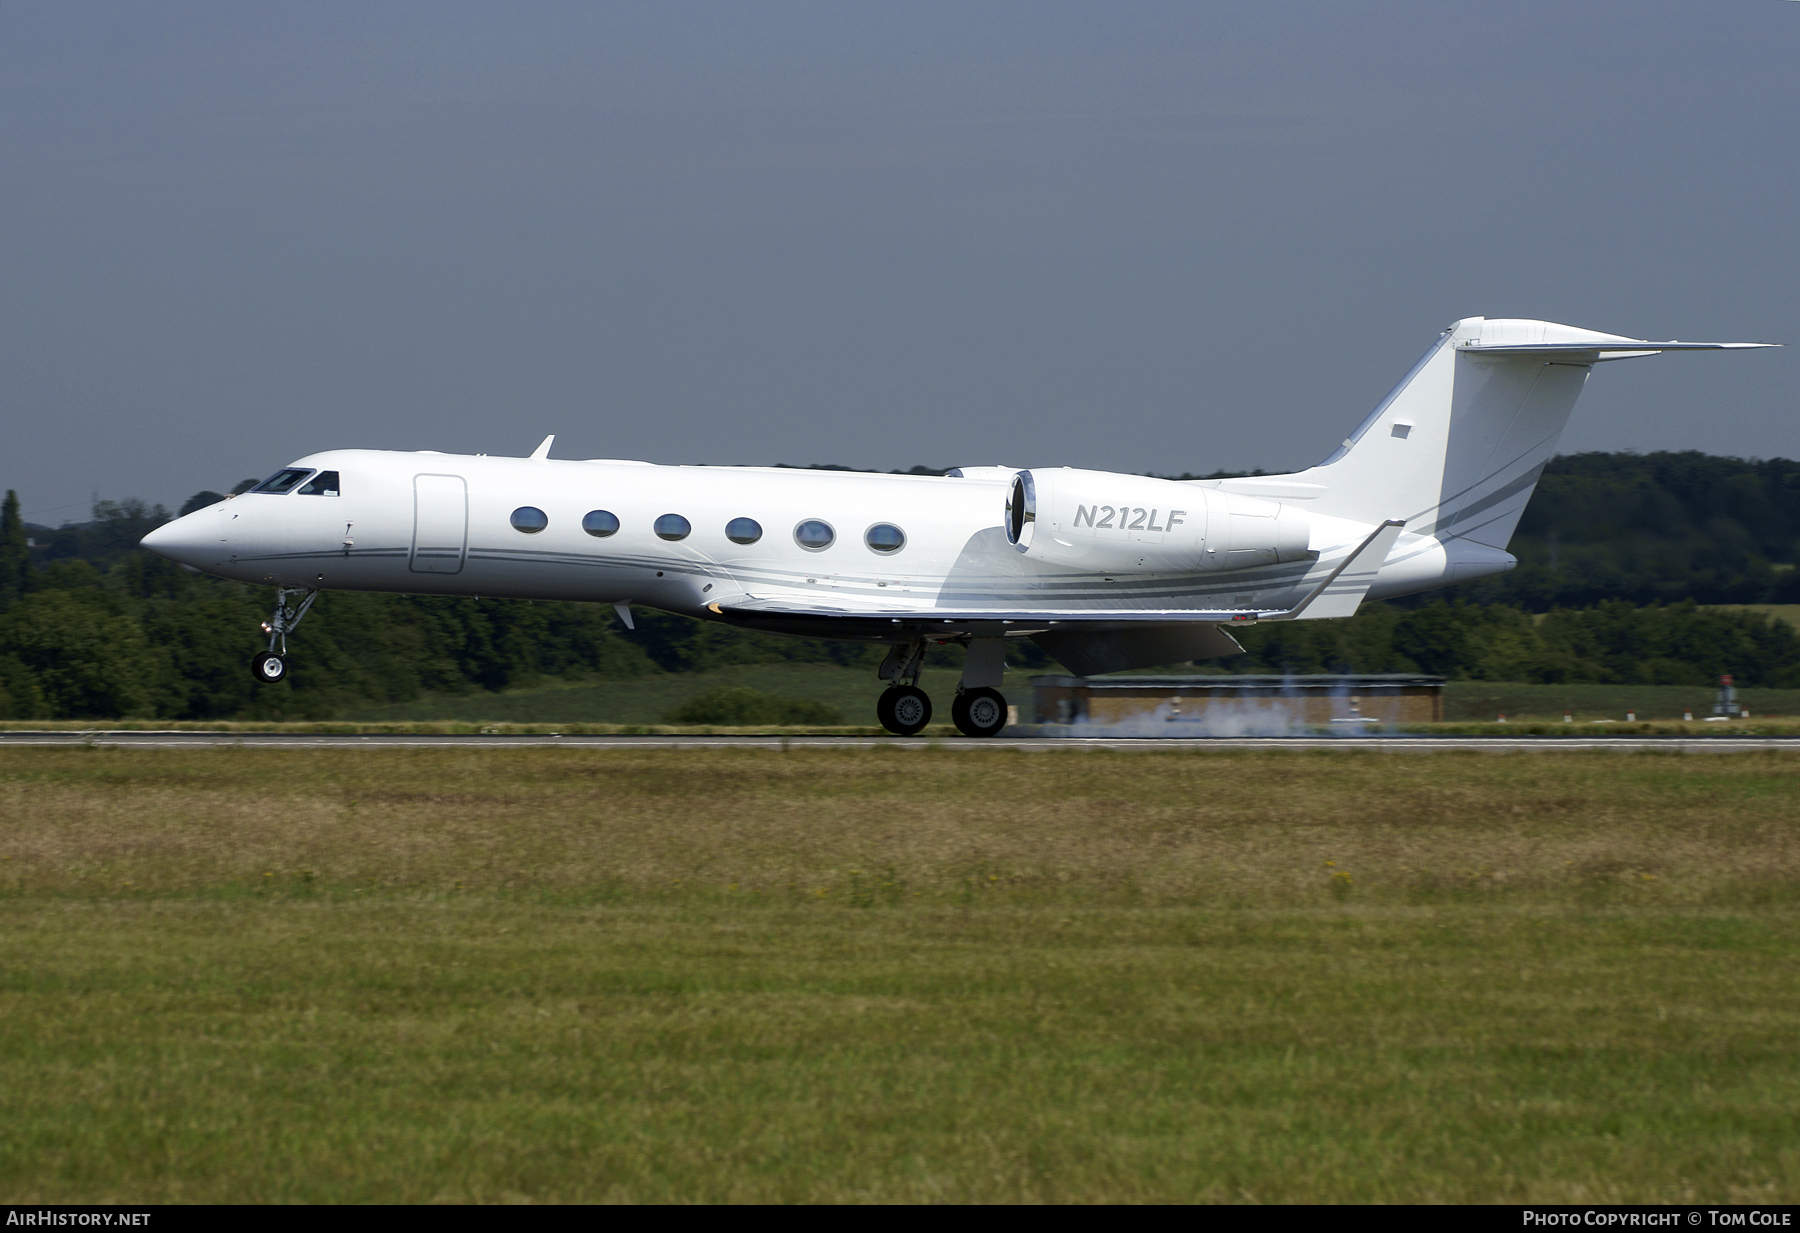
{"x":1027,"y":744}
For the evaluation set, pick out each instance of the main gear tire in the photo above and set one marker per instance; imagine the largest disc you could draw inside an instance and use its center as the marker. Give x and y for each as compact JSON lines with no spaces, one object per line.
{"x":904,"y":710}
{"x":979,"y":712}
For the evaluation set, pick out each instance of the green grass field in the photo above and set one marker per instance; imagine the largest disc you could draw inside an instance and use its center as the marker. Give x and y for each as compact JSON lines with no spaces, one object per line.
{"x":870,"y":975}
{"x":853,"y":692}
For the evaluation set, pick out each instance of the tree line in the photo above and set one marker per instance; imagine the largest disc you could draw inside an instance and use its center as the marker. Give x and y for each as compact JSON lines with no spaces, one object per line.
{"x":1619,"y":555}
{"x":1648,"y":529}
{"x":1611,"y":643}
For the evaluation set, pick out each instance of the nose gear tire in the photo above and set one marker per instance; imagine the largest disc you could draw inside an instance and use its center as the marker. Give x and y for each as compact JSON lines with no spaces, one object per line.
{"x":269,"y":667}
{"x":979,"y":712}
{"x":904,"y":710}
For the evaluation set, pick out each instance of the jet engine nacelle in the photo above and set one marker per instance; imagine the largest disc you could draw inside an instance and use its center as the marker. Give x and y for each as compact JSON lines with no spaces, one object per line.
{"x":1129,"y":523}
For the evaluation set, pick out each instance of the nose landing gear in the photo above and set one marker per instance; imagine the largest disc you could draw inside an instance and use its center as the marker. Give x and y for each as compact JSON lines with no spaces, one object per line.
{"x":271,"y":665}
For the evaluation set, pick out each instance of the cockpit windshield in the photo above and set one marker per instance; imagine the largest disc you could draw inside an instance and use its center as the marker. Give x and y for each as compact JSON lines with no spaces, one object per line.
{"x":324,"y":484}
{"x":283,"y":480}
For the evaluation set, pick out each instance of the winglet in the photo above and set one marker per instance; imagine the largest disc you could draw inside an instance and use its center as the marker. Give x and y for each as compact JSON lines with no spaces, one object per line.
{"x":1343,"y":589}
{"x":542,"y":452}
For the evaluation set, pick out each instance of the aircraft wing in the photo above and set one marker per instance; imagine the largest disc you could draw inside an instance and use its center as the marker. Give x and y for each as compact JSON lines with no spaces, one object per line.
{"x":1338,"y":594}
{"x":1024,"y":618}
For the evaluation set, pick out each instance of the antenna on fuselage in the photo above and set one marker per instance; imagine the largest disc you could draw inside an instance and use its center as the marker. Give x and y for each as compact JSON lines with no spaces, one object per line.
{"x":542,"y":452}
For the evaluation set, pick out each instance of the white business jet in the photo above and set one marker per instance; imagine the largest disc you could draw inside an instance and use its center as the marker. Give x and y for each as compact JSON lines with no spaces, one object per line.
{"x":1106,"y":572}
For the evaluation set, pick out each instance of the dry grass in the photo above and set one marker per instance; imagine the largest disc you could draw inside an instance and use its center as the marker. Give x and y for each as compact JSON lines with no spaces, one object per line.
{"x":1077,"y":827}
{"x":485,"y":974}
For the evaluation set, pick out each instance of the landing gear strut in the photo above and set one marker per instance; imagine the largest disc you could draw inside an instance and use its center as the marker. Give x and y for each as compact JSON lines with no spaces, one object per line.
{"x":904,"y":709}
{"x":271,"y":665}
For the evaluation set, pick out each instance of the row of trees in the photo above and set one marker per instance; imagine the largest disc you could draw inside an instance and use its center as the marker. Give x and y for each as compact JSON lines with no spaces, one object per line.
{"x":1611,"y":643}
{"x":1649,"y":529}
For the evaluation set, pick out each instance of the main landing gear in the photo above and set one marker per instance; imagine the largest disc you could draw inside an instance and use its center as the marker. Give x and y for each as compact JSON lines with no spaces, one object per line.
{"x":271,"y":665}
{"x":904,"y":710}
{"x":979,"y":712}
{"x":979,"y":708}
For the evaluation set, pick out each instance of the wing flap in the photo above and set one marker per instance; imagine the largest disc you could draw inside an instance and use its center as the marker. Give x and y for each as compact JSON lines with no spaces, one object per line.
{"x":1035,"y":617}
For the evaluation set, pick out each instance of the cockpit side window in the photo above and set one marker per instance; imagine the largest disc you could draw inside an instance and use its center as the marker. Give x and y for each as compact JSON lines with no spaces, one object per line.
{"x":283,"y":480}
{"x":324,"y":484}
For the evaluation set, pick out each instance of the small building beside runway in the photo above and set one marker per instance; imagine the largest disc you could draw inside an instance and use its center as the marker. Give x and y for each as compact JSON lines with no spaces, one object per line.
{"x":1380,"y":699}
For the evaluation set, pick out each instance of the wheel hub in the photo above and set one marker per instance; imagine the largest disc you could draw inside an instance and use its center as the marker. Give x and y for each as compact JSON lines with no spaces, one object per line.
{"x":985,"y":712}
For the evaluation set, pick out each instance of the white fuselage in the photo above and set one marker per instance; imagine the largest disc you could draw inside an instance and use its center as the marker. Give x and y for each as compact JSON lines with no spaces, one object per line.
{"x":1105,"y":570}
{"x":444,"y":524}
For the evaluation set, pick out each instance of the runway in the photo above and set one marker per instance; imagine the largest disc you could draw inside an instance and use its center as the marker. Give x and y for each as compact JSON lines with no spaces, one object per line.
{"x":1028,"y":744}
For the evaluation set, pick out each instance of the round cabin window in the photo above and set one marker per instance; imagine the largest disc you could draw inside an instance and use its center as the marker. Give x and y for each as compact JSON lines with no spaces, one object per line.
{"x":529,"y":519}
{"x":814,"y":536}
{"x":885,"y":537}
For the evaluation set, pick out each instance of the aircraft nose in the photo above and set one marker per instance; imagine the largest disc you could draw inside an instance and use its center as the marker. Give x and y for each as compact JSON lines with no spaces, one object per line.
{"x":184,"y":541}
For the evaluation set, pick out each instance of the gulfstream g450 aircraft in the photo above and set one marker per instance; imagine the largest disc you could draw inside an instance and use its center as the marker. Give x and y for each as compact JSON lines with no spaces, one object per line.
{"x":1104,"y":571}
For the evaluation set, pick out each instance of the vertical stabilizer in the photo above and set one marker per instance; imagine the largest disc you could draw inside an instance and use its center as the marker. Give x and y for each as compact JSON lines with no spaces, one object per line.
{"x":1458,"y":446}
{"x":1456,"y":449}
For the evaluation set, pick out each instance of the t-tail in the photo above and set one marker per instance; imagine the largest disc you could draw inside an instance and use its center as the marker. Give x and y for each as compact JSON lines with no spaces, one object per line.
{"x":1456,"y":449}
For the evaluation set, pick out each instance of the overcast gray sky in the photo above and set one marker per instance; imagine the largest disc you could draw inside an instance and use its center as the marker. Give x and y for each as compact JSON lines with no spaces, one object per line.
{"x":1141,"y":237}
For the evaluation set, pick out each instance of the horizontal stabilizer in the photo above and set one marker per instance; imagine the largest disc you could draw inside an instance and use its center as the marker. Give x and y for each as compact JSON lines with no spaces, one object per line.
{"x":1591,"y":352}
